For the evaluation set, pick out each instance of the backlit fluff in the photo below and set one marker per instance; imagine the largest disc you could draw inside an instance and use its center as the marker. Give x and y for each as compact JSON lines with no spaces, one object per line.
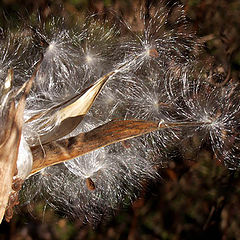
{"x":117,"y":175}
{"x":152,"y":79}
{"x":162,"y":40}
{"x":198,"y":99}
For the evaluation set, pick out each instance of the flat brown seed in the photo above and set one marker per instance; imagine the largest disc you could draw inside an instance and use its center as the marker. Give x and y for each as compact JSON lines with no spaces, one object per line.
{"x":90,"y":184}
{"x":17,"y":184}
{"x":153,"y":53}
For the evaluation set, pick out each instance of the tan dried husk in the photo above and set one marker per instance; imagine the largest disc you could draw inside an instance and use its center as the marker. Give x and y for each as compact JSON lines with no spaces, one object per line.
{"x":9,"y":145}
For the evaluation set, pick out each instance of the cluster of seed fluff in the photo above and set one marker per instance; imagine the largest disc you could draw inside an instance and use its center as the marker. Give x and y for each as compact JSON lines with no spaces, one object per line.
{"x":72,"y":60}
{"x":149,"y":47}
{"x":216,"y":107}
{"x":11,"y":50}
{"x":152,"y":79}
{"x":94,"y":185}
{"x":98,"y":183}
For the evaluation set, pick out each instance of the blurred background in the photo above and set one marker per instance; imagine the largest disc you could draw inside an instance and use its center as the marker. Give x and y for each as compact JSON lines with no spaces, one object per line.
{"x":196,"y":197}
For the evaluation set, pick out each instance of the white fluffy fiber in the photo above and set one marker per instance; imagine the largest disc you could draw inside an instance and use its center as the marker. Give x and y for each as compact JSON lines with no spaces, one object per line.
{"x":153,"y":80}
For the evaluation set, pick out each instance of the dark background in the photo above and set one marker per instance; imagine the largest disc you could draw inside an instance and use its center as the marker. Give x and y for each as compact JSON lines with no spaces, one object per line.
{"x":197,"y":198}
